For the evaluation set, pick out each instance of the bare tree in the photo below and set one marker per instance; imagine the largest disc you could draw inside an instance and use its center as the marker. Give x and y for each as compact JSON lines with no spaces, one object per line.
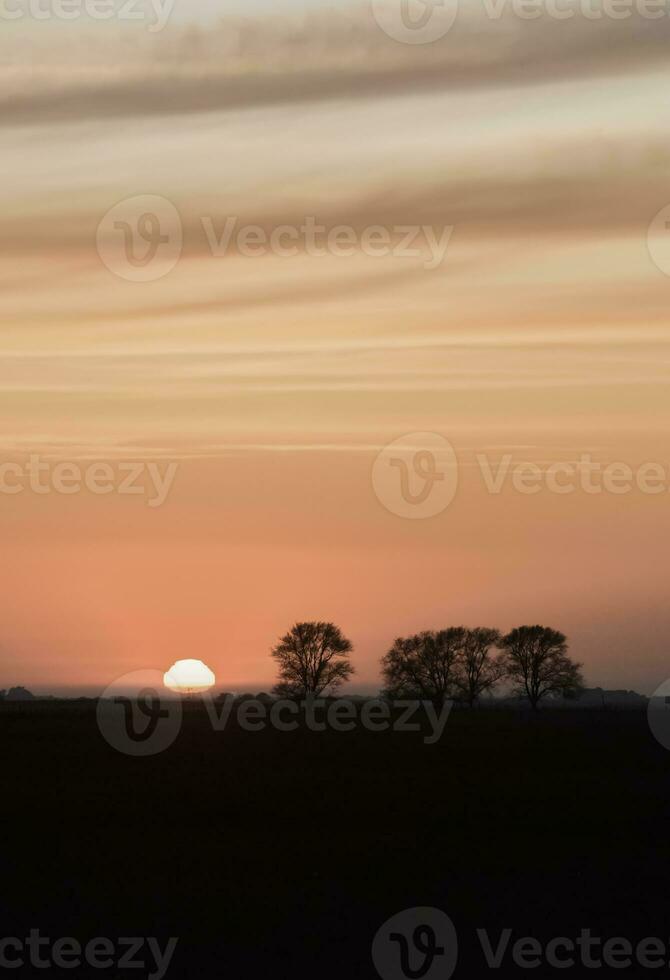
{"x":536,"y":661}
{"x":313,"y":658}
{"x":424,"y":665}
{"x":478,"y":669}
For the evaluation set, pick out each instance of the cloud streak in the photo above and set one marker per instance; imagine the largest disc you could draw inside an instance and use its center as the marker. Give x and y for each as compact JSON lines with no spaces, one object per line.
{"x":329,"y":55}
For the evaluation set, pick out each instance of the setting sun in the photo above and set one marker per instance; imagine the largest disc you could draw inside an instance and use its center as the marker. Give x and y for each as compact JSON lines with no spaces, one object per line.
{"x":189,"y":677}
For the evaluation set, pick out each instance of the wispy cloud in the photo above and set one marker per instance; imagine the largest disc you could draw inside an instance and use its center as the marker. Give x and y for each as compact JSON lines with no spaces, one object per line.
{"x":242,"y":63}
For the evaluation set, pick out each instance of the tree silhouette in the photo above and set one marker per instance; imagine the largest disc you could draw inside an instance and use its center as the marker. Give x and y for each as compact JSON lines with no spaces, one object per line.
{"x":478,"y":669}
{"x":424,"y":665}
{"x":18,"y":694}
{"x":536,"y":661}
{"x":312,"y":658}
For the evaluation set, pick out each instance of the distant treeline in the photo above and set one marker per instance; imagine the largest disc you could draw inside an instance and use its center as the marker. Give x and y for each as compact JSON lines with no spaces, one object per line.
{"x":456,"y":663}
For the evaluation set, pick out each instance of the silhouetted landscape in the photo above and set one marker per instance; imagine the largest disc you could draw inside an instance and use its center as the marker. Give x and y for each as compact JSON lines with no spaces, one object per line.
{"x":284,"y":852}
{"x":275,"y":834}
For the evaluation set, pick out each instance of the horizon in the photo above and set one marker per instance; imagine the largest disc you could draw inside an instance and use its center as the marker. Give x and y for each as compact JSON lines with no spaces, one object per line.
{"x":348,"y":689}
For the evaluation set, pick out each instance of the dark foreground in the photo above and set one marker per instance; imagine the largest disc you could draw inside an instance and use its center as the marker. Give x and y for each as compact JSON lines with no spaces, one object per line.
{"x":281,"y":854}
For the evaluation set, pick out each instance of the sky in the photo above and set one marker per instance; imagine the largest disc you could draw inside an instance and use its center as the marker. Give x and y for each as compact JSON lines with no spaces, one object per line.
{"x":534,"y":150}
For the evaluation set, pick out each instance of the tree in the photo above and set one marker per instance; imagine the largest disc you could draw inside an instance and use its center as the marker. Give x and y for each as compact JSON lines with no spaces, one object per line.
{"x":536,"y":661}
{"x":478,"y":670}
{"x":19,"y":694}
{"x":312,"y":658}
{"x":424,"y":665}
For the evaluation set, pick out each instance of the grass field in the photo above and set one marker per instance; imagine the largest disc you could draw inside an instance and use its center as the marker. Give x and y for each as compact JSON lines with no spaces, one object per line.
{"x":280,"y":854}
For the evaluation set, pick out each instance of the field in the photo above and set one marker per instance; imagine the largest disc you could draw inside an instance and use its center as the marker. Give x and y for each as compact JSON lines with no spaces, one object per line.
{"x":280,"y":854}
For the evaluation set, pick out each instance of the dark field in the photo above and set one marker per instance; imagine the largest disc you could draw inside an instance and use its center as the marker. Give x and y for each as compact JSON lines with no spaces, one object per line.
{"x":280,"y":854}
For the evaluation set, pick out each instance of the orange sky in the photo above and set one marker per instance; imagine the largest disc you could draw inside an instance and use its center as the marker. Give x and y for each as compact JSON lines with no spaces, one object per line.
{"x":273,"y":381}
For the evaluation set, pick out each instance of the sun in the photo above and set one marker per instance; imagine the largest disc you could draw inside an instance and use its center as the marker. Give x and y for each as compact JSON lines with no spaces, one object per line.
{"x":189,"y":677}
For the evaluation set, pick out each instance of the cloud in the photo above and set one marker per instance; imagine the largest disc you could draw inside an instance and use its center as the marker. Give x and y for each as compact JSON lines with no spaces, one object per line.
{"x":244,"y":63}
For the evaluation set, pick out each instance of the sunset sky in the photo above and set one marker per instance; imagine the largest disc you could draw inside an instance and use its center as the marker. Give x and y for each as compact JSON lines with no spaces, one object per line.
{"x":274,"y":381}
